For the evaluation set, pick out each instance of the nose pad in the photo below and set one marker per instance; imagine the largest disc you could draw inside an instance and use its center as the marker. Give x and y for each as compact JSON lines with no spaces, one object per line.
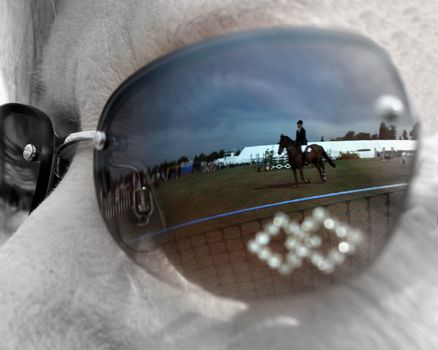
{"x":143,"y":205}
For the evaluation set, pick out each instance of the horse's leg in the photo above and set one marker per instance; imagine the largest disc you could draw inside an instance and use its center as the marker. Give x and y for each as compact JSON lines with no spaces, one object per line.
{"x":318,"y":166}
{"x":295,"y":175}
{"x":323,"y":171}
{"x":302,"y":176}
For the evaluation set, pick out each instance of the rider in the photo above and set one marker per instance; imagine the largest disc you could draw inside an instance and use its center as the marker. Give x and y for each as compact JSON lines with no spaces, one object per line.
{"x":301,"y":139}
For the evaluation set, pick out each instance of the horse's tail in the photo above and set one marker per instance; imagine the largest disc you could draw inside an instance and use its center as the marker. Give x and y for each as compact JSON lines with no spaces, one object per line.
{"x":329,"y":160}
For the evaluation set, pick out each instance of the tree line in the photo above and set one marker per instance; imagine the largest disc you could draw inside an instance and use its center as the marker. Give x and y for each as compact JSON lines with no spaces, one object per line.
{"x":165,"y":165}
{"x":386,"y":132}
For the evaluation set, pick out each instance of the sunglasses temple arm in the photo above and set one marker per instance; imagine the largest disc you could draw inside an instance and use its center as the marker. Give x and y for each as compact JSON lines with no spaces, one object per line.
{"x":56,"y":173}
{"x":98,"y":138}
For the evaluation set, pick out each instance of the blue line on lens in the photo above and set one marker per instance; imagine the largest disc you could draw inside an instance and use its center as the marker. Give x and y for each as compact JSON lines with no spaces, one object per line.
{"x":265,"y":206}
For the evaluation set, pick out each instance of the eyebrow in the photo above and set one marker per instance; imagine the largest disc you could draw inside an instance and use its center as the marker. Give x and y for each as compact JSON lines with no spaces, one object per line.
{"x":220,"y":19}
{"x":136,"y":29}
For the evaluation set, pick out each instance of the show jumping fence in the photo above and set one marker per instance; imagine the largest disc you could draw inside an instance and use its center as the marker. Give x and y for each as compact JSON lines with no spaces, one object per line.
{"x":280,"y":162}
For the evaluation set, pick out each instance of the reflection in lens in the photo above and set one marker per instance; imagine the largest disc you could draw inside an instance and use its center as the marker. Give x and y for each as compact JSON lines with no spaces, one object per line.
{"x":204,"y":150}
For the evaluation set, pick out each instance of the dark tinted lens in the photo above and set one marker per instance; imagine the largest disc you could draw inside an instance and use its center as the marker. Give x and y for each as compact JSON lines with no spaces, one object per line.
{"x":22,"y":126}
{"x":202,"y":153}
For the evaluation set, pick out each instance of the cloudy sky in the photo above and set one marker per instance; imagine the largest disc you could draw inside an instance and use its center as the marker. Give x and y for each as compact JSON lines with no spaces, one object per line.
{"x":240,"y":95}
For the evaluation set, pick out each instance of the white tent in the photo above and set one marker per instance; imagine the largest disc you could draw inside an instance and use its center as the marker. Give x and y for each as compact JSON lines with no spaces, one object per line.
{"x":364,"y":148}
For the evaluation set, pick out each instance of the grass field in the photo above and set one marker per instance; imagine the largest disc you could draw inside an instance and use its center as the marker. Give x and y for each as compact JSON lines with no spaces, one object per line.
{"x":202,"y":195}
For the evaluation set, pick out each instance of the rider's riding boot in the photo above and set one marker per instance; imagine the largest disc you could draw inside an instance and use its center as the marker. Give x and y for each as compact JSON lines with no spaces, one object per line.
{"x":304,"y":158}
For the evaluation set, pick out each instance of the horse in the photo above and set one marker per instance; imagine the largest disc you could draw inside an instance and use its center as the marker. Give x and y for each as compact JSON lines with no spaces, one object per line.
{"x":313,"y":155}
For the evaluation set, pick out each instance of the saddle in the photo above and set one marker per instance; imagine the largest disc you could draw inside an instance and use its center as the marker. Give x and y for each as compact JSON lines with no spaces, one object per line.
{"x":303,"y":153}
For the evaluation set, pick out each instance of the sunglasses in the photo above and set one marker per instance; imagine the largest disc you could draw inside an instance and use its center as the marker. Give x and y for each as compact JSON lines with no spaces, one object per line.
{"x":198,"y":153}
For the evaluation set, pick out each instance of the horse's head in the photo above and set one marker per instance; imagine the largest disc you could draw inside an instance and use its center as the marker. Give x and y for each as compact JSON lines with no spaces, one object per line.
{"x":284,"y":142}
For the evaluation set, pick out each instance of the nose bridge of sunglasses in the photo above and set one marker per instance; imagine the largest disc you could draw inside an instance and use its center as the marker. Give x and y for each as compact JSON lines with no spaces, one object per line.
{"x":131,"y":192}
{"x":144,"y":205}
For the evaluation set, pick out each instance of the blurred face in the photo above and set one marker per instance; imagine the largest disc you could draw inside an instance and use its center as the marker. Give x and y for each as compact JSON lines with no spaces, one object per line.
{"x":66,"y":282}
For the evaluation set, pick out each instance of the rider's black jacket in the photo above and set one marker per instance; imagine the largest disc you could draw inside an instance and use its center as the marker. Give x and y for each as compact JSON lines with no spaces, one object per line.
{"x":301,"y":137}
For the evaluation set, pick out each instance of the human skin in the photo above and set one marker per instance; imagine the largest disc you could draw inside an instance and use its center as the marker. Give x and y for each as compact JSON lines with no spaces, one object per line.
{"x":66,"y":284}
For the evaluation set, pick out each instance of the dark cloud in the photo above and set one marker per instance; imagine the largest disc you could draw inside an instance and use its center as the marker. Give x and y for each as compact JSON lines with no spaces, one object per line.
{"x":233,"y":96}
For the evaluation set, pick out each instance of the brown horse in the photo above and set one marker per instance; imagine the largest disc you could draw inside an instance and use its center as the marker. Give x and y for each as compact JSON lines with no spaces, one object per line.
{"x":313,"y":155}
